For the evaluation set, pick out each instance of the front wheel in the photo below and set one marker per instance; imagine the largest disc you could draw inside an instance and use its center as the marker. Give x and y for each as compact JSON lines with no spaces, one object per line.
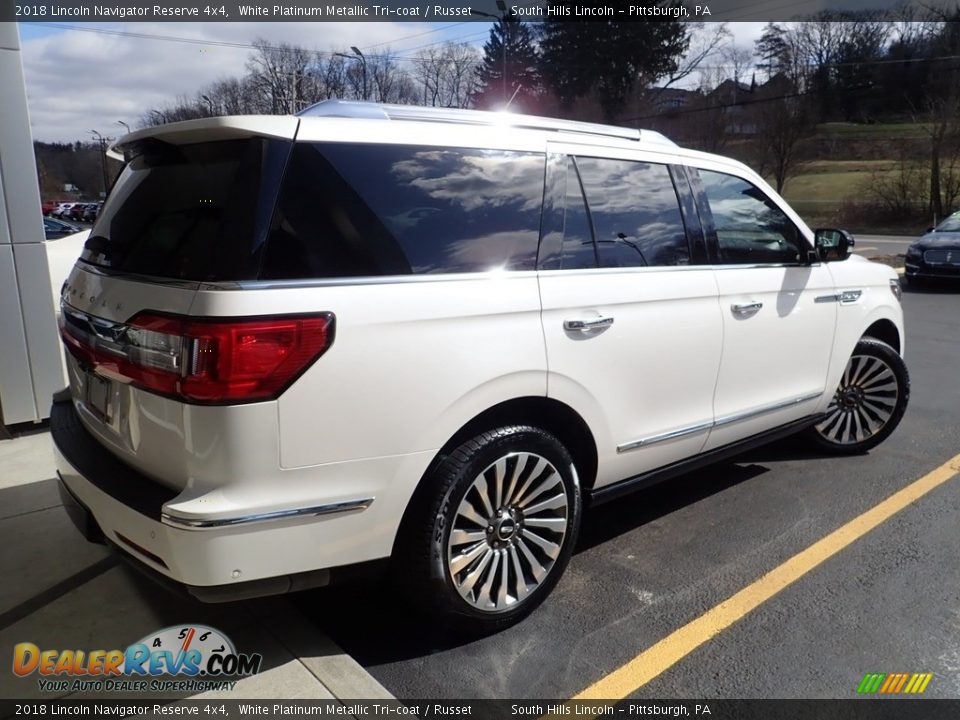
{"x":868,"y":403}
{"x":492,"y":531}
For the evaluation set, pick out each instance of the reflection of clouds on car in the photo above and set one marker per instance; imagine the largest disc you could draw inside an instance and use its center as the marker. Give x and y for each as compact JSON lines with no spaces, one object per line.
{"x":749,"y":226}
{"x":409,"y":219}
{"x":635,"y":213}
{"x":475,"y":181}
{"x":475,"y":253}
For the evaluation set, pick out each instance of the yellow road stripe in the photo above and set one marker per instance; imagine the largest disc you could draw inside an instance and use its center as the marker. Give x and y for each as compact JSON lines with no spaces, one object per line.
{"x":670,"y":650}
{"x":926,"y":681}
{"x":913,"y":681}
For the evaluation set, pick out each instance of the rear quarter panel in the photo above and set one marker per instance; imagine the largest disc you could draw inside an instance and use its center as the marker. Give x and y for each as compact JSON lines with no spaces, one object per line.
{"x":411,"y":363}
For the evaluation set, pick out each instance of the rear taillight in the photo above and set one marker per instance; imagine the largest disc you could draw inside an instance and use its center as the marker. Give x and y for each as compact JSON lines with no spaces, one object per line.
{"x":202,"y":360}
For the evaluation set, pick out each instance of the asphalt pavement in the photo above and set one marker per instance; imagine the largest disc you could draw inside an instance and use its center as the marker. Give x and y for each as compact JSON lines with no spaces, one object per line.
{"x":59,"y":591}
{"x":871,"y":246}
{"x":655,"y":561}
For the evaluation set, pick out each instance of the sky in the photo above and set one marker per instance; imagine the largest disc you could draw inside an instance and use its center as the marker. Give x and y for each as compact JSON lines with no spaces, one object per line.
{"x":81,"y":78}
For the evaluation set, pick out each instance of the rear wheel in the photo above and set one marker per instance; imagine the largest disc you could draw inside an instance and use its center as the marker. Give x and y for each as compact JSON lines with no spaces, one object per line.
{"x":869,"y":401}
{"x":492,"y":530}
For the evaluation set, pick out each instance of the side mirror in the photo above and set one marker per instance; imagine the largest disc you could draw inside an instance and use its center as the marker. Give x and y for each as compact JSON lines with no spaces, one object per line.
{"x":833,"y":244}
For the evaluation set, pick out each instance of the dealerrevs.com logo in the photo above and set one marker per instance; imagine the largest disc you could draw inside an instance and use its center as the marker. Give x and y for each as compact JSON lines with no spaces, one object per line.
{"x":184,"y":658}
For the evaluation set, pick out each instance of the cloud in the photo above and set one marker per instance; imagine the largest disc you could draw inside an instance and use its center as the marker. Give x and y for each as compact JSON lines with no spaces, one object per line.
{"x":79,"y":81}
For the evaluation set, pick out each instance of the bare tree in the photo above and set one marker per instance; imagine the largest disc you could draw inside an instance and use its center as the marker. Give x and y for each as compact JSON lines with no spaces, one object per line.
{"x":736,"y":60}
{"x":381,"y":79}
{"x":279,"y":75}
{"x":706,"y":39}
{"x":781,"y":125}
{"x":446,"y":75}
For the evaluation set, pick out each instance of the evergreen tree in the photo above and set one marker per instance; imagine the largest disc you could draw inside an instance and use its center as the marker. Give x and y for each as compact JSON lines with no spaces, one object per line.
{"x":508,"y":76}
{"x":608,"y":58}
{"x":773,"y":50}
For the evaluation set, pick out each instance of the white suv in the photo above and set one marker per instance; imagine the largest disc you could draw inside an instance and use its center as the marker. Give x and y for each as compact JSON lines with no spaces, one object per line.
{"x":299,"y":344}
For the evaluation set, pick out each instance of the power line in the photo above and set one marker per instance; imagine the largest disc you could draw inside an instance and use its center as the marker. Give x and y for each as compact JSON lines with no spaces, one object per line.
{"x":243,"y":45}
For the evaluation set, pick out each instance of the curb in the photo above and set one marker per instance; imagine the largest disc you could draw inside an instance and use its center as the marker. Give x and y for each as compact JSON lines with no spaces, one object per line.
{"x":342,"y":676}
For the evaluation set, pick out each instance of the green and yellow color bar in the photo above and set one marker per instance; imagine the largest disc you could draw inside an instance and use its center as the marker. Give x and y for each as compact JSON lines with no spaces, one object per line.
{"x":894,"y":683}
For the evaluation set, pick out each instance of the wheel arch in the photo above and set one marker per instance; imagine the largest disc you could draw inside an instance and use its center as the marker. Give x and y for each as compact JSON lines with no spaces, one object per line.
{"x":557,"y":418}
{"x":553,"y":416}
{"x":885,"y":331}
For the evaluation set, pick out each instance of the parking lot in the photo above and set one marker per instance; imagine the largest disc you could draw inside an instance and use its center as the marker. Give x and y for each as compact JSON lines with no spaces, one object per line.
{"x":654,"y":562}
{"x":646,"y":567}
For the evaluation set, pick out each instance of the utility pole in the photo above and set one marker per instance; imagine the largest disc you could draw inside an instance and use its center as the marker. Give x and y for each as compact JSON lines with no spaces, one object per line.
{"x":103,"y":159}
{"x":357,"y":55}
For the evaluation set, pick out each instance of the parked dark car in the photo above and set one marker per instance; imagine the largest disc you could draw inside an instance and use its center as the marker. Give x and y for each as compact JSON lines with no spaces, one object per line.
{"x":54,"y":229}
{"x":77,"y":211}
{"x":91,"y":211}
{"x":936,"y":254}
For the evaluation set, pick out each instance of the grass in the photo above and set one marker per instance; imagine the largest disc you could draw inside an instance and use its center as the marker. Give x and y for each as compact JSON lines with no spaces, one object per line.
{"x":824,"y":191}
{"x":878,"y":131}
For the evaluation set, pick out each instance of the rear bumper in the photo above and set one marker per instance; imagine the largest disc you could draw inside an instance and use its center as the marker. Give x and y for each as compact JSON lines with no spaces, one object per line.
{"x":215,"y":558}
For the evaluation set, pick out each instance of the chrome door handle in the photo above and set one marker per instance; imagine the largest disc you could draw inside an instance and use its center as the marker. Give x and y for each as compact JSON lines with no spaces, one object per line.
{"x":588,"y":325}
{"x":746,"y":310}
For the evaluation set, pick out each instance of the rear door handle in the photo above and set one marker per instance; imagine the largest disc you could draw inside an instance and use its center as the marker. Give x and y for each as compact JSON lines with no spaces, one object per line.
{"x":747,"y":309}
{"x":588,"y":325}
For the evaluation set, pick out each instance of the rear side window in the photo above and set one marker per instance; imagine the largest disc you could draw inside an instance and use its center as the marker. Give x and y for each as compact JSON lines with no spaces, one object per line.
{"x":192,"y":212}
{"x":611,"y":213}
{"x":368,"y":210}
{"x":635,"y":212}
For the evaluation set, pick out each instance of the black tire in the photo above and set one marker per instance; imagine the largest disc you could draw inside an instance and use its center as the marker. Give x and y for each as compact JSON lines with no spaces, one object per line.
{"x":423,"y":554}
{"x":869,"y":402}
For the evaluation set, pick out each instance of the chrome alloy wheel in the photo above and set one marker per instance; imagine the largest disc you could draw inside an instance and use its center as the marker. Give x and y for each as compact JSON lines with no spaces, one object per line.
{"x":508,"y":531}
{"x":863,"y":403}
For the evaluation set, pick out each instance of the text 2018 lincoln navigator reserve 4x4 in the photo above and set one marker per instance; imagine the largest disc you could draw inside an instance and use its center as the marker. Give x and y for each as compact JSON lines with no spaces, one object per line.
{"x":297,"y":344}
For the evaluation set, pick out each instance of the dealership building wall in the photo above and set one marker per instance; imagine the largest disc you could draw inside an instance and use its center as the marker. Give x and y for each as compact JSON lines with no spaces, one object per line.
{"x":31,"y":361}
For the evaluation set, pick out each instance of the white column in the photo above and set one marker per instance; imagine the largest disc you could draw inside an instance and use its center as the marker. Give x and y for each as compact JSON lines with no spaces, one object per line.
{"x":31,"y":364}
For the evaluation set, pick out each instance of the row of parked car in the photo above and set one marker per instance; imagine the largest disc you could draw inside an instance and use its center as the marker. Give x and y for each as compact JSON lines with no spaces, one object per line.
{"x":77,"y":211}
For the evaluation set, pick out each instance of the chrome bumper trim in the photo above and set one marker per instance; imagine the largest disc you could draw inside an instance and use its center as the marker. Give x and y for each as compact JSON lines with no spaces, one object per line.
{"x":183,"y":523}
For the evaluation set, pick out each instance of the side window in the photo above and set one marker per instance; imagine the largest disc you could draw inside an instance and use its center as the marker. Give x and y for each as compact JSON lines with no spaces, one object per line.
{"x":358,"y":210}
{"x":578,"y":248}
{"x":750,"y":227}
{"x":635,"y":212}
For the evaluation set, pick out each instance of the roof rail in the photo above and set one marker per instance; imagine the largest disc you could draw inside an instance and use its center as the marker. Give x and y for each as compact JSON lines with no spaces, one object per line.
{"x":369,"y":110}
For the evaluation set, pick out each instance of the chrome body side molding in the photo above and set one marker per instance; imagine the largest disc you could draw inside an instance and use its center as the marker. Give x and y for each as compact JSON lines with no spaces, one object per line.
{"x":718,"y":422}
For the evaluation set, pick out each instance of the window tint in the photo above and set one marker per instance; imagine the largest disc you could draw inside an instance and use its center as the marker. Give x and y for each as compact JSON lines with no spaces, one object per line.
{"x":353,"y":210}
{"x":635,"y":212}
{"x":193,"y":212}
{"x":750,"y":227}
{"x":578,"y":248}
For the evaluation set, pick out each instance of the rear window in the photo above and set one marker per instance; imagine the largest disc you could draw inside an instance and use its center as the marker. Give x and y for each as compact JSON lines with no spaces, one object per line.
{"x":190,"y":212}
{"x":368,"y":210}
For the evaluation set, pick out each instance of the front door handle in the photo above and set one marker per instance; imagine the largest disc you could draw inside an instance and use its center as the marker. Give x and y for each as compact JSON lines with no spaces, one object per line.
{"x":747,"y":309}
{"x":588,"y":325}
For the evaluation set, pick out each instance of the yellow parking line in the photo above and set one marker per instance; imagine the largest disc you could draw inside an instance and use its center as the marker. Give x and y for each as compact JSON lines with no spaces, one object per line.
{"x":670,"y":650}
